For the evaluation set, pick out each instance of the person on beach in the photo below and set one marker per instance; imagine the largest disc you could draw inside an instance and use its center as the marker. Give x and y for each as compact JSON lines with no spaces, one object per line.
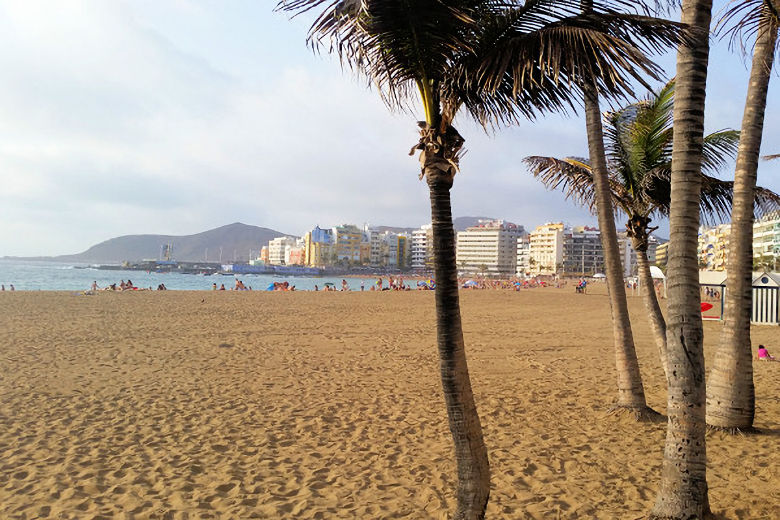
{"x":222,"y":287}
{"x":94,"y":286}
{"x":214,"y":286}
{"x":12,"y":288}
{"x":362,"y":285}
{"x":344,"y":285}
{"x":316,"y":287}
{"x":3,"y":289}
{"x":763,"y":354}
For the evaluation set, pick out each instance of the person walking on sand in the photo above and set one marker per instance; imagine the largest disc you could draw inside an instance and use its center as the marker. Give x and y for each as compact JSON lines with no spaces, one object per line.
{"x":12,"y":288}
{"x":94,"y":286}
{"x":362,"y":285}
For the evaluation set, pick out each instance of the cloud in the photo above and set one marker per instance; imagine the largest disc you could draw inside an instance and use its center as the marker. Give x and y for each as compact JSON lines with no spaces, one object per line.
{"x":140,"y":117}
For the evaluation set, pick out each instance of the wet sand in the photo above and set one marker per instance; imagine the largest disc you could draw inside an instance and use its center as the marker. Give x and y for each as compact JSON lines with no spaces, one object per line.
{"x":185,"y":405}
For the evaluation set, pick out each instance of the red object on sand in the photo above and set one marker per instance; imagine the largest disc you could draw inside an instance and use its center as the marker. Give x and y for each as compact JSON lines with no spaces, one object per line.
{"x":705,"y":306}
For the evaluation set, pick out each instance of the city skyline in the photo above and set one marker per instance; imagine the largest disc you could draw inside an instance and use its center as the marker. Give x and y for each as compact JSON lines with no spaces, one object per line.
{"x":171,"y":118}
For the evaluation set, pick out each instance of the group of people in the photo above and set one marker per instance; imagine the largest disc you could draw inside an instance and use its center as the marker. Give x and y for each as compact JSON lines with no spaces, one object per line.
{"x":12,"y":288}
{"x":582,"y":286}
{"x":711,"y":293}
{"x":123,"y":286}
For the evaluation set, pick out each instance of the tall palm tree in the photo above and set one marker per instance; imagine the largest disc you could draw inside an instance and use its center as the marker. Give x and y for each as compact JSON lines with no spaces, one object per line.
{"x":639,"y":145}
{"x":731,"y":400}
{"x":683,"y":489}
{"x":499,"y":61}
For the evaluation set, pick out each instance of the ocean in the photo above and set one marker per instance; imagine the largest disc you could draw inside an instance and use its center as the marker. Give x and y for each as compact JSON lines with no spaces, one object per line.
{"x":52,"y":276}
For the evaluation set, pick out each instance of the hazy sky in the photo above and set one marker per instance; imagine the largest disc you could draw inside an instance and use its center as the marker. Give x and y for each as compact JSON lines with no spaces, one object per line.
{"x":179,"y":116}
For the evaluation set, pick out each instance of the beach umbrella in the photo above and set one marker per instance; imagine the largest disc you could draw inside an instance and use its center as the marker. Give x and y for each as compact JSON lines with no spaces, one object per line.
{"x":599,"y":275}
{"x":470,"y":283}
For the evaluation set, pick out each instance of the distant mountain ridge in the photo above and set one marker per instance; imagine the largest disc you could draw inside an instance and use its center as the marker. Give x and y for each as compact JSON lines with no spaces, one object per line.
{"x":236,"y":238}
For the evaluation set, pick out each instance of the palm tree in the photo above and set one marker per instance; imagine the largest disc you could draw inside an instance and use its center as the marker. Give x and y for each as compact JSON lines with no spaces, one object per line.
{"x":639,"y":145}
{"x":731,"y":401}
{"x":683,"y":489}
{"x":500,"y":61}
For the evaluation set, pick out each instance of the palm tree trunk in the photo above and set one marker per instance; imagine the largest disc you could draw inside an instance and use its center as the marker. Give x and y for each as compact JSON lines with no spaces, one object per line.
{"x":654,"y":314}
{"x":731,"y":401}
{"x":470,"y":451}
{"x":631,"y":394}
{"x":683,"y":490}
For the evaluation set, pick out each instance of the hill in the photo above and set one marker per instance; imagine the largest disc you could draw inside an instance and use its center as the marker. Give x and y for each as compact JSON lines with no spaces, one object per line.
{"x":237,"y":237}
{"x":461,"y":223}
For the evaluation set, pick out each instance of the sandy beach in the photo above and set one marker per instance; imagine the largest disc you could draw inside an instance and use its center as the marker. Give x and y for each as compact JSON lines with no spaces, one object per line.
{"x":237,"y":405}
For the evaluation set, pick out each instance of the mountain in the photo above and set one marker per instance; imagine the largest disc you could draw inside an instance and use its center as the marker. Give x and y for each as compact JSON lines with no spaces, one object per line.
{"x":237,"y":237}
{"x":461,"y":223}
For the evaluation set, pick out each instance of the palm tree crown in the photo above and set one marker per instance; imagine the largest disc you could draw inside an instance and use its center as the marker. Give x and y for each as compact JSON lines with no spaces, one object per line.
{"x":500,"y":60}
{"x":639,"y":148}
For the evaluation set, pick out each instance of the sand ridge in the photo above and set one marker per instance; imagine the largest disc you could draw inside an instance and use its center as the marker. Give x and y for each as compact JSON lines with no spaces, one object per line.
{"x":328,"y":405}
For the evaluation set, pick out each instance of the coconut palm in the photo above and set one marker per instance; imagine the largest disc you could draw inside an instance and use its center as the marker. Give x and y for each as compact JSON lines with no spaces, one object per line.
{"x":638,"y":145}
{"x":683,"y":492}
{"x":498,"y":62}
{"x":730,"y":393}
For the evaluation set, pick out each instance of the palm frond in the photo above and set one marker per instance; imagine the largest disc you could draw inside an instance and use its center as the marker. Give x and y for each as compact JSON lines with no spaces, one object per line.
{"x":501,"y":60}
{"x":719,"y":148}
{"x":742,"y":20}
{"x":570,"y":175}
{"x":771,"y":157}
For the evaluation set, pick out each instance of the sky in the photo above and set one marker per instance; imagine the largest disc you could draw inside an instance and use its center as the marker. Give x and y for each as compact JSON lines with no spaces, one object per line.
{"x":178,"y":116}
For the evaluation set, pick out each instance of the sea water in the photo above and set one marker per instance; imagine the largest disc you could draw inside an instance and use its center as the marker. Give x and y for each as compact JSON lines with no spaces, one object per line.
{"x":52,"y":276}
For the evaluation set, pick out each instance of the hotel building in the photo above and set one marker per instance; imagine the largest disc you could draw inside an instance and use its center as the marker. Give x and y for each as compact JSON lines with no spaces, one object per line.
{"x":489,"y":248}
{"x":546,"y":248}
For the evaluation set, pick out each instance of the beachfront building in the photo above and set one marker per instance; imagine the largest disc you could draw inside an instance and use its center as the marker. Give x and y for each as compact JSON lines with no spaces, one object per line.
{"x":523,"y":255}
{"x":489,"y":248}
{"x":346,"y":244}
{"x":318,"y":247}
{"x":278,"y":250}
{"x":546,"y":248}
{"x":628,"y":255}
{"x":766,"y":242}
{"x":662,"y":255}
{"x":582,"y":251}
{"x":422,"y":248}
{"x":296,"y":255}
{"x":394,"y":250}
{"x":713,"y":247}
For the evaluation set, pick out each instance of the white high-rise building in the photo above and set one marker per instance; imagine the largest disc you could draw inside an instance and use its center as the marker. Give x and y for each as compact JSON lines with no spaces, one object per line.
{"x":422,"y":248}
{"x":766,"y":242}
{"x":278,"y":250}
{"x":523,"y":255}
{"x":628,"y":255}
{"x":489,"y":248}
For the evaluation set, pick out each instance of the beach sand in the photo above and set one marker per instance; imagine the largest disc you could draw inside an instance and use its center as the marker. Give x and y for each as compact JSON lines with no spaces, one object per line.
{"x":188,"y":405}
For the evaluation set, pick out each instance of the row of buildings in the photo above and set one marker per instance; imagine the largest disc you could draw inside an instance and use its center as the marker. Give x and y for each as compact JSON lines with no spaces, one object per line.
{"x":494,"y":248}
{"x":714,"y":244}
{"x":498,"y":248}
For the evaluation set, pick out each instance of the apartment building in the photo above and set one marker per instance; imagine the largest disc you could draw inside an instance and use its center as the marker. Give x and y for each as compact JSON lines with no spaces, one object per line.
{"x":489,"y":248}
{"x":766,"y":241}
{"x":582,"y":251}
{"x":346,"y":243}
{"x":714,"y":247}
{"x":546,"y":248}
{"x":278,"y":250}
{"x":628,"y":255}
{"x":523,"y":256}
{"x":421,"y":254}
{"x":318,"y":247}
